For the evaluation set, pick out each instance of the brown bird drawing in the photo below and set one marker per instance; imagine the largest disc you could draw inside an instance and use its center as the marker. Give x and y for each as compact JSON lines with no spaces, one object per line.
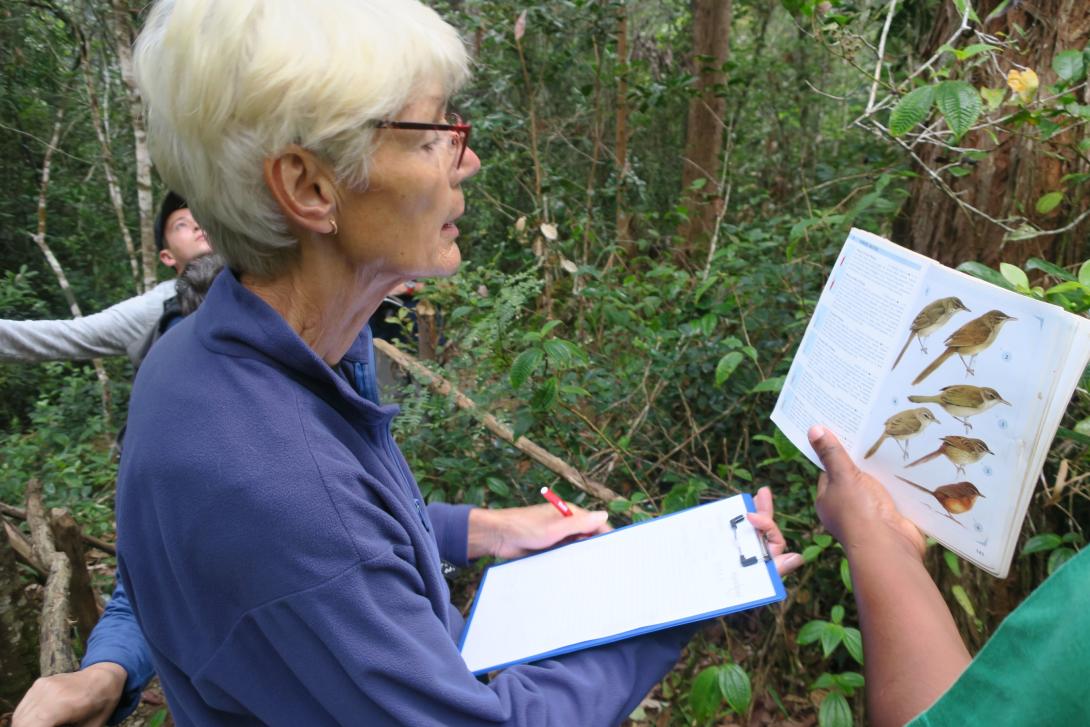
{"x":956,"y":499}
{"x":933,"y":317}
{"x":962,"y":451}
{"x":963,"y":401}
{"x":969,"y":340}
{"x":903,"y":426}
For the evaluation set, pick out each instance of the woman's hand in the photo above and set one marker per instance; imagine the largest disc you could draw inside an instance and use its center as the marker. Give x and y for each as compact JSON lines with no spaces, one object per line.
{"x":86,"y":698}
{"x":854,"y":506}
{"x":766,"y":526}
{"x":517,"y":531}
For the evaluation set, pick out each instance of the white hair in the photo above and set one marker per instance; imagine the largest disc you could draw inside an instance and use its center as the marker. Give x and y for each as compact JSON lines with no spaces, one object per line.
{"x":229,"y":83}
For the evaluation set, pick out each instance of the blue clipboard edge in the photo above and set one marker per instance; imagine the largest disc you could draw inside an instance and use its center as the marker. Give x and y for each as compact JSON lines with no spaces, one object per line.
{"x":777,"y":584}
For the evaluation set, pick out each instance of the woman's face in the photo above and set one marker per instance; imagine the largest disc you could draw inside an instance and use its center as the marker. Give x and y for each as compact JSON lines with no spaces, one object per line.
{"x":403,"y":221}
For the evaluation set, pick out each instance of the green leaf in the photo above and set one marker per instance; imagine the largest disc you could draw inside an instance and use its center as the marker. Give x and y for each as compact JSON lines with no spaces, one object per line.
{"x":911,"y":110}
{"x":1049,"y":202}
{"x":823,"y":539}
{"x":963,"y":600}
{"x":982,"y":271}
{"x":734,"y":685}
{"x":524,"y":365}
{"x":825,"y":681}
{"x":811,"y":552}
{"x":562,"y":354}
{"x":1058,"y":558}
{"x":838,"y":614}
{"x":993,"y":97}
{"x":853,"y":642}
{"x":975,"y":49}
{"x":1069,"y":65}
{"x":834,"y":711}
{"x":773,"y":385}
{"x":726,"y":367}
{"x":831,"y":636}
{"x":850,"y":680}
{"x":846,"y":574}
{"x":1084,"y":273}
{"x":158,"y":718}
{"x":959,"y":104}
{"x":1014,"y":275}
{"x":704,"y":696}
{"x":952,"y":562}
{"x":1042,"y":542}
{"x":1036,"y":263}
{"x":549,"y":326}
{"x":545,"y":395}
{"x":811,"y":632}
{"x":498,"y":486}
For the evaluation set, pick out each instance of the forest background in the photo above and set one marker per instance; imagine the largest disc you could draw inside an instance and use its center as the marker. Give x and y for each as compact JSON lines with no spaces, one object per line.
{"x":665,"y":184}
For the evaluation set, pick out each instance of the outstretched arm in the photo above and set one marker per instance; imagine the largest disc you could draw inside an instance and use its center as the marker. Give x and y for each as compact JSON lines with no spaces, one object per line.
{"x":115,"y":331}
{"x":913,"y":651}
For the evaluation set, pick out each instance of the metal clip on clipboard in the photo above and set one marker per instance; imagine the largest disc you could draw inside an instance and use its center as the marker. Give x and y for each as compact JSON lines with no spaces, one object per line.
{"x":746,"y":562}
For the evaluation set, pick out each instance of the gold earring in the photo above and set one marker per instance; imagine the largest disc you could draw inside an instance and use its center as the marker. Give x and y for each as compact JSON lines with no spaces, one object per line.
{"x":333,"y":227}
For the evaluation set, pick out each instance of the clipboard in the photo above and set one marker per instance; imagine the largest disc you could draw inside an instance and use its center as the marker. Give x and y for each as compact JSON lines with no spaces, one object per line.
{"x":688,"y":566}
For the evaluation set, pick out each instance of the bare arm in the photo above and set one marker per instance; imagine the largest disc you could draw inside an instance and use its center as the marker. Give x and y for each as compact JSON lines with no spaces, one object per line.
{"x":912,"y":648}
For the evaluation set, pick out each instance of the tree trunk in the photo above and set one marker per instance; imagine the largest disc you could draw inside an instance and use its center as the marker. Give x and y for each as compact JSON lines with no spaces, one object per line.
{"x":1018,"y":169}
{"x":705,"y":127}
{"x":113,"y":186}
{"x":123,"y":36}
{"x":54,"y":264}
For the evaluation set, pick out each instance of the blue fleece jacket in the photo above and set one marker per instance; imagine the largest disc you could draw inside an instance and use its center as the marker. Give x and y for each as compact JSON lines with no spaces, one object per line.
{"x":280,"y":562}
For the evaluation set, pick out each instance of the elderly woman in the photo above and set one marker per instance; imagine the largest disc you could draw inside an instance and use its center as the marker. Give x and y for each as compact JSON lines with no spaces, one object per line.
{"x":276,"y":549}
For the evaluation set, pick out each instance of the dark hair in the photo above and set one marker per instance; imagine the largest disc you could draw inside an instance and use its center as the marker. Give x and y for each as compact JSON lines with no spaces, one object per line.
{"x":195,"y":280}
{"x":171,"y":204}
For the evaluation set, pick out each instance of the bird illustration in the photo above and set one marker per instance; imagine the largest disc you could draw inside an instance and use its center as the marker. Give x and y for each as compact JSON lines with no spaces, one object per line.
{"x":903,"y":426}
{"x":961,"y":451}
{"x":956,"y":498}
{"x":929,"y":320}
{"x":969,"y":340}
{"x":963,"y":401}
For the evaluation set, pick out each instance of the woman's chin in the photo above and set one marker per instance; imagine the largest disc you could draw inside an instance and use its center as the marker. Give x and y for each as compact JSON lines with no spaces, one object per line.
{"x":448,"y":261}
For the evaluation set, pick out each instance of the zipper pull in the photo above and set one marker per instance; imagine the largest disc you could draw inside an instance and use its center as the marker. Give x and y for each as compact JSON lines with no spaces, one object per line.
{"x":420,"y":512}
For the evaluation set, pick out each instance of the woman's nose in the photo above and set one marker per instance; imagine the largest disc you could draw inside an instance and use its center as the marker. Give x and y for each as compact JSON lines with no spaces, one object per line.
{"x":471,"y":164}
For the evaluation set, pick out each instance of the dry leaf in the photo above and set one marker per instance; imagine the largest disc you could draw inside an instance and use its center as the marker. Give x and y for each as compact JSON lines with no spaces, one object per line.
{"x":520,"y":223}
{"x":568,"y":265}
{"x":1024,"y":83}
{"x":549,"y":231}
{"x":520,"y":26}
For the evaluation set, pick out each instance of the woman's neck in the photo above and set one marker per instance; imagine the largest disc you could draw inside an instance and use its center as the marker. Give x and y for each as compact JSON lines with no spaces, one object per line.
{"x":324,"y":298}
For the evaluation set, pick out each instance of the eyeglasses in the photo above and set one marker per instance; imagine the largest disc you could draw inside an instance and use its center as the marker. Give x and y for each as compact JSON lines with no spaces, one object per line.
{"x":459,"y":139}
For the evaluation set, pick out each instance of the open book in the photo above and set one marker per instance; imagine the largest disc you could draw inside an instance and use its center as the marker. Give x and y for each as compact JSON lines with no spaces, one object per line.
{"x":946,"y":388}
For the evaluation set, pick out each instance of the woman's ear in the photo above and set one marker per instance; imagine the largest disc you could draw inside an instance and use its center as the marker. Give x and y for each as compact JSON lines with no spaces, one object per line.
{"x":303,"y":187}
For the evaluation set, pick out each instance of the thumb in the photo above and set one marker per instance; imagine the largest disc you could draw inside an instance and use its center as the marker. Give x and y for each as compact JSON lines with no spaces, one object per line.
{"x":838,"y":465}
{"x":586,"y":521}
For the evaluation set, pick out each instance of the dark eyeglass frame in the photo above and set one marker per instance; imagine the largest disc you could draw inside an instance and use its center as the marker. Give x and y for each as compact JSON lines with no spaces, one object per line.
{"x":455,"y":124}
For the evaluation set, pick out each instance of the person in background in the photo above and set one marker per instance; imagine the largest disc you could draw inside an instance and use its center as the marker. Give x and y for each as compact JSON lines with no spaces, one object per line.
{"x":116,"y":666}
{"x":279,"y":556}
{"x":1033,"y":671}
{"x":124,"y":328}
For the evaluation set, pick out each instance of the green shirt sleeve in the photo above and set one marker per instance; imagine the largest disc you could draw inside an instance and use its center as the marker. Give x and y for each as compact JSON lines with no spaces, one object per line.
{"x":1035,"y":670}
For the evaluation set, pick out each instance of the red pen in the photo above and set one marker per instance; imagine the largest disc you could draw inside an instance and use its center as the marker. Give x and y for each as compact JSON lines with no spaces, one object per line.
{"x":556,"y":502}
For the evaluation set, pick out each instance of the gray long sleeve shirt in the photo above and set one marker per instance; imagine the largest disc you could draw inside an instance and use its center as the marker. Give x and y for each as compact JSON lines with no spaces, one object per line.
{"x":120,"y":329}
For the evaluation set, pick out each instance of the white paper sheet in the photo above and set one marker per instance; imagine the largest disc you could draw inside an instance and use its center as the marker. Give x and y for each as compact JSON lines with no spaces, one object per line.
{"x":674,"y":569}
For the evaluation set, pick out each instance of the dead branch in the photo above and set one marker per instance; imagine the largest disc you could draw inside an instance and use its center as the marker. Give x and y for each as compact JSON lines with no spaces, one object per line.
{"x":66,"y":535}
{"x":23,"y":549}
{"x":440,"y":385}
{"x":20,"y":514}
{"x":55,"y":654}
{"x":54,"y":644}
